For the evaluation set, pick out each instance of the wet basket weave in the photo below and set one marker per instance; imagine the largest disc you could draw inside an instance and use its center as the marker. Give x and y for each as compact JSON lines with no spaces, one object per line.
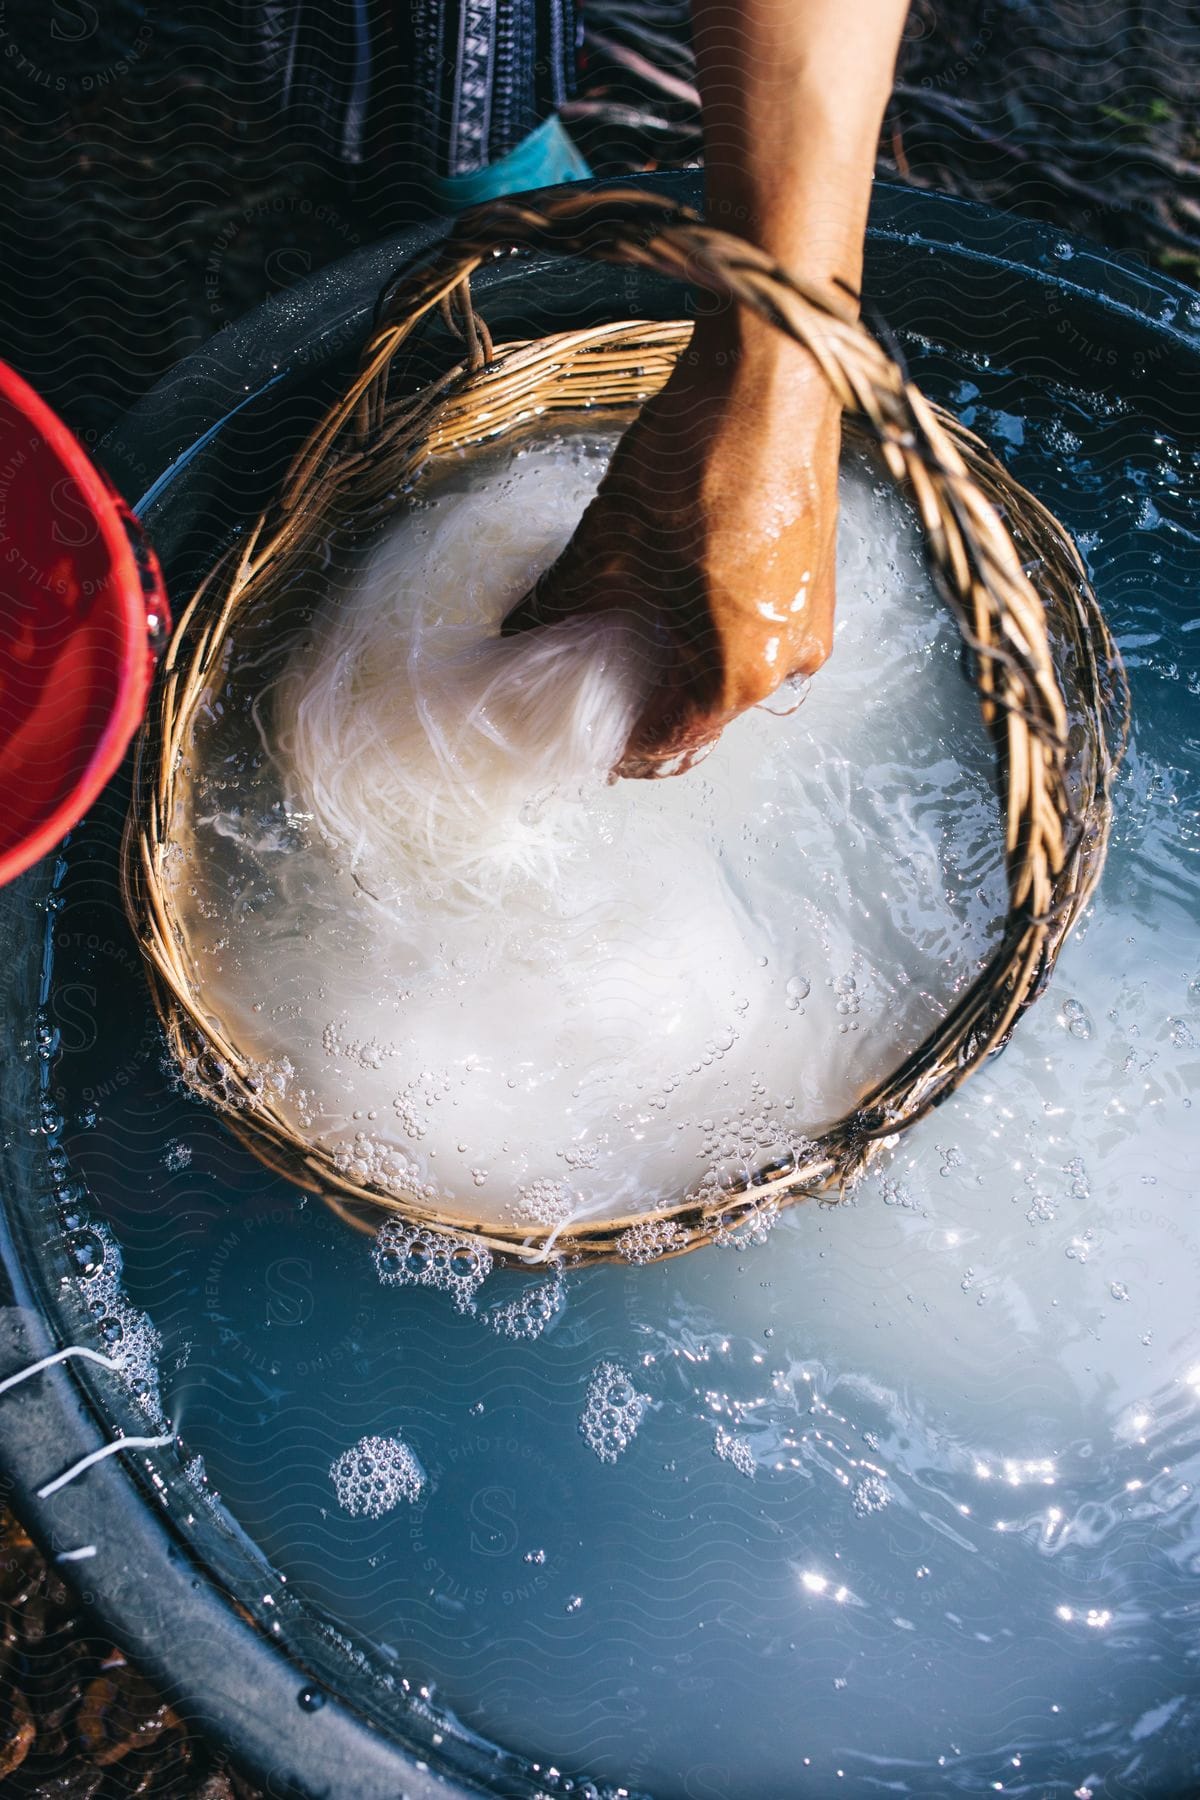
{"x":1050,"y":684}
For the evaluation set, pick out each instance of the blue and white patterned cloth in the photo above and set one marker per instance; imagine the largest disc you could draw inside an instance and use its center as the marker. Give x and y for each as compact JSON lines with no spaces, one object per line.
{"x":457,"y":98}
{"x":481,"y":80}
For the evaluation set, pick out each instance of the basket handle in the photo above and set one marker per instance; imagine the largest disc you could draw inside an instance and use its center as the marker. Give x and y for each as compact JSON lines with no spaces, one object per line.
{"x":1002,"y":618}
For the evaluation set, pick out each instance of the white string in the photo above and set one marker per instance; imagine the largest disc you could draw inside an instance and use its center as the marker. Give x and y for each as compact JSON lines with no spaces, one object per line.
{"x":85,"y":1462}
{"x":45,"y":1362}
{"x":457,"y":772}
{"x":547,"y":1250}
{"x":81,"y":1555}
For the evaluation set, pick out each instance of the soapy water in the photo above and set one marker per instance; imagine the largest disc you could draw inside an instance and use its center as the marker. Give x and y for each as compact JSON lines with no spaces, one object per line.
{"x":911,"y":1505}
{"x":531,"y":1311}
{"x":413,"y":1256}
{"x":612,"y":1412}
{"x":486,"y":978}
{"x":375,"y":1476}
{"x":736,"y":1450}
{"x":405,"y":1254}
{"x":124,"y":1332}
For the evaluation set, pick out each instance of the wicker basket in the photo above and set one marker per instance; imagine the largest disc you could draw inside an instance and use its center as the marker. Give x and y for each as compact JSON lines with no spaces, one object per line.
{"x":1049,"y":681}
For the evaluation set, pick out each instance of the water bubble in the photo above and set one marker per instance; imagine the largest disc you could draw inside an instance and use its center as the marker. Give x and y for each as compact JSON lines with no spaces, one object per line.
{"x":1079,"y":1181}
{"x":1059,"y":438}
{"x":1118,"y":1290}
{"x":871,"y":1495}
{"x":414,"y":1256}
{"x":896,"y":1194}
{"x":1181,"y":1034}
{"x":612,"y":1412}
{"x":1041,"y":1208}
{"x":581,"y":1156}
{"x":412,"y":1103}
{"x":788,"y":697}
{"x":51,"y":1120}
{"x":796,"y":992}
{"x":311,"y":1699}
{"x":545,"y":1201}
{"x":746,"y":1226}
{"x":122,"y":1329}
{"x":574,"y":1603}
{"x":86,"y":1252}
{"x":848,"y":1001}
{"x":531,"y":1312}
{"x":735,"y":1450}
{"x":649,"y":1239}
{"x":1075,"y":1018}
{"x":952,"y":1158}
{"x":537,"y":1557}
{"x":369,"y":1161}
{"x":375,"y":1475}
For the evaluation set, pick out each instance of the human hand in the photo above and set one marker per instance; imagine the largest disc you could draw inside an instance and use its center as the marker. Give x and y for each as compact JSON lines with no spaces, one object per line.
{"x":715,"y":528}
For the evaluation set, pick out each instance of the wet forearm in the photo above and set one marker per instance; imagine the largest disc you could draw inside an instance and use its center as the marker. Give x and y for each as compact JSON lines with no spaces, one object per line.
{"x":793,"y":94}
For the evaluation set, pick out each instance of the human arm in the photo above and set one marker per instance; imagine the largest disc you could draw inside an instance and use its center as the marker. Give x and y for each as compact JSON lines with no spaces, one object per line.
{"x":716,"y":522}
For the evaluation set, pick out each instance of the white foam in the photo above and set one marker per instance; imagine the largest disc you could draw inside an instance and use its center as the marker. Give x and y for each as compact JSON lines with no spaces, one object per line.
{"x":375,"y":1475}
{"x":612,"y":1412}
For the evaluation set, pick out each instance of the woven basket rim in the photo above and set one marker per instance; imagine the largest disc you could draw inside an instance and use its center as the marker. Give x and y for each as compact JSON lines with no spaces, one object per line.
{"x":1056,"y":797}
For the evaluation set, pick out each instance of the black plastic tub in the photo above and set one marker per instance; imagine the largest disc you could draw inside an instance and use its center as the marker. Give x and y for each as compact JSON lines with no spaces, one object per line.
{"x":292,"y":1694}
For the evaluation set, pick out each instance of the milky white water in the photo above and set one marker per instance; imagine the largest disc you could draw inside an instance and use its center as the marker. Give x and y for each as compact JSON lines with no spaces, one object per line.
{"x":475,"y":970}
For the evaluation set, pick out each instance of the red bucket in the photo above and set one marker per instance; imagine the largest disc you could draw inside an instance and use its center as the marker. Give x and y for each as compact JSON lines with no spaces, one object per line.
{"x":82,"y":613}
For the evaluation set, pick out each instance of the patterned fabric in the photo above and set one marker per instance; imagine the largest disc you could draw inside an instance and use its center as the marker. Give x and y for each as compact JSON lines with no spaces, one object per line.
{"x":477,"y":76}
{"x":314,"y":62}
{"x":443,"y":87}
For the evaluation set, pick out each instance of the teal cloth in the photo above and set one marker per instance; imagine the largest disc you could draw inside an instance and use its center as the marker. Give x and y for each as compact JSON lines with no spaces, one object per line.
{"x":545,"y":157}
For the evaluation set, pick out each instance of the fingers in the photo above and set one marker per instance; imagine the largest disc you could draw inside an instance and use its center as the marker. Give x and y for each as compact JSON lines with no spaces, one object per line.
{"x":677,"y":728}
